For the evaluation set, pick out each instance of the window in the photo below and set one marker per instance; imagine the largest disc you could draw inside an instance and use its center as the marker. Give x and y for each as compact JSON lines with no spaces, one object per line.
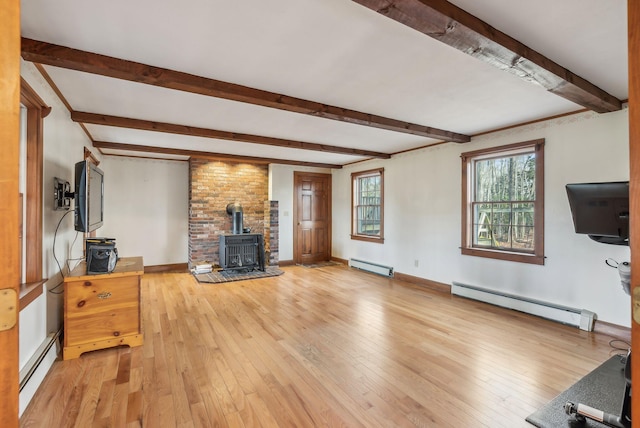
{"x":503,"y":202}
{"x":32,"y":112}
{"x":367,"y":192}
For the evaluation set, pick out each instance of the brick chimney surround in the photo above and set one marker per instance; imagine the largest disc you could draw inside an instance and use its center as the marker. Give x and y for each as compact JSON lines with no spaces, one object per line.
{"x":213,"y":185}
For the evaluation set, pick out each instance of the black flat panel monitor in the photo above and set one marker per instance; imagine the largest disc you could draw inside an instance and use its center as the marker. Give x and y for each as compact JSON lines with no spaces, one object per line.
{"x":89,"y":197}
{"x":601,"y":210}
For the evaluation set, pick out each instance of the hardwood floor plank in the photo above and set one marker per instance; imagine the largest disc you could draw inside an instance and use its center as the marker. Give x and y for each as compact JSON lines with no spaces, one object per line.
{"x":105,"y":401}
{"x":199,"y":415}
{"x":118,"y":415}
{"x":90,"y":395}
{"x":167,"y":416}
{"x":124,"y":367}
{"x":134,"y":407}
{"x":318,"y":347}
{"x":215,"y":415}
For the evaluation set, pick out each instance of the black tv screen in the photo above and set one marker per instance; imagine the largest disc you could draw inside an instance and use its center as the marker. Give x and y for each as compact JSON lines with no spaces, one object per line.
{"x":601,"y":210}
{"x":89,"y":197}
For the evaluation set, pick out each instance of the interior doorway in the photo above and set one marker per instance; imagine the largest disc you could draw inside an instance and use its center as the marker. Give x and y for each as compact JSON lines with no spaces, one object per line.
{"x":312,"y":217}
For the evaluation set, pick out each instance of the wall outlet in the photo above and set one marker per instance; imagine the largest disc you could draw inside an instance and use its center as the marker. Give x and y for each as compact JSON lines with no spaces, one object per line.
{"x":415,"y":263}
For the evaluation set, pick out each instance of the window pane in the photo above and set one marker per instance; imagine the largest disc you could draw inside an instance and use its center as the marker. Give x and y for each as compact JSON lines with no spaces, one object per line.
{"x":523,"y":226}
{"x":482,"y":224}
{"x":510,"y":178}
{"x":368,"y":220}
{"x":501,"y":226}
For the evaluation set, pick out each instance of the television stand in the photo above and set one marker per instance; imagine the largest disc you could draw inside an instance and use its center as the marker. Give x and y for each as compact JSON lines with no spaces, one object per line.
{"x":102,"y":311}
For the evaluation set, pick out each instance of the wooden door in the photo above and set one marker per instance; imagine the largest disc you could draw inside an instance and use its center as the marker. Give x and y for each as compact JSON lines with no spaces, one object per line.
{"x":9,"y":250}
{"x":633,"y":10}
{"x":312,"y":207}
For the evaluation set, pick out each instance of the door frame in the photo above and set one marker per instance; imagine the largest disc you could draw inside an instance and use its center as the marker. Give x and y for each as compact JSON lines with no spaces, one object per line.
{"x":9,"y":209}
{"x":633,"y":29}
{"x":297,"y":257}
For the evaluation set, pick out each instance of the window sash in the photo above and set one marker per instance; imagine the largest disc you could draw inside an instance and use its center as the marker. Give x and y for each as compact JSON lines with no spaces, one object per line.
{"x":507,"y":226}
{"x":368,"y":207}
{"x":367,"y":214}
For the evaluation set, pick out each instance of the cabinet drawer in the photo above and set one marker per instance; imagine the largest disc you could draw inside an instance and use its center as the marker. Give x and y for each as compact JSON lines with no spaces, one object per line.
{"x":111,"y":324}
{"x":101,"y":295}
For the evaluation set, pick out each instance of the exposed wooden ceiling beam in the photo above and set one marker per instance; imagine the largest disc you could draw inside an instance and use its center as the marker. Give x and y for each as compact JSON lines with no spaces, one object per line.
{"x":147,"y":125}
{"x":61,"y":56}
{"x":455,"y":27}
{"x":206,"y":155}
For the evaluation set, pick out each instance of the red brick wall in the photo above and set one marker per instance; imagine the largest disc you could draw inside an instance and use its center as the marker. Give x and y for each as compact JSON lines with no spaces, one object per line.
{"x":212,"y":186}
{"x":271,"y":232}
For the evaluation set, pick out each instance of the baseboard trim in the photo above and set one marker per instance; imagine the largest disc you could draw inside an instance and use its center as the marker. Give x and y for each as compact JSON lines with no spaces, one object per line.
{"x":32,"y":377}
{"x":286,"y":263}
{"x":613,"y":330}
{"x":175,"y":267}
{"x":433,"y":285}
{"x":32,"y":365}
{"x":339,"y":260}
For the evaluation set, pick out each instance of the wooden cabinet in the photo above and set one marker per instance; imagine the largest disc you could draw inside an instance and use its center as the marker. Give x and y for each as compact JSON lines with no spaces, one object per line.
{"x":102,"y":311}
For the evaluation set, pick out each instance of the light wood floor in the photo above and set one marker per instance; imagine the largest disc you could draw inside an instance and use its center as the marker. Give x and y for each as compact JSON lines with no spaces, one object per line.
{"x":318,"y":347}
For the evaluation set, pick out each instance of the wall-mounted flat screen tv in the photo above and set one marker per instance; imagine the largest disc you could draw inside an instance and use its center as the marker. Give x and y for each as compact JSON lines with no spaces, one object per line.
{"x":601,"y":210}
{"x":89,"y":197}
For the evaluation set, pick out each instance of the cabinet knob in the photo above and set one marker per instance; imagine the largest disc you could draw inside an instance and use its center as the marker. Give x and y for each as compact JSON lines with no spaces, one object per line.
{"x":116,"y":333}
{"x":87,"y":284}
{"x":81,"y":303}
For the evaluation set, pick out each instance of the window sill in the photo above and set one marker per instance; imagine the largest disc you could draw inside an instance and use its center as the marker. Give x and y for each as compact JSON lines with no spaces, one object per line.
{"x":367,"y":239}
{"x":30,"y":291}
{"x":504,"y":255}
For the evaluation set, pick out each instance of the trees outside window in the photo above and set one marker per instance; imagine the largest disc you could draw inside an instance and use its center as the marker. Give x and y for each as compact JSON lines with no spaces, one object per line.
{"x":503,"y":206}
{"x":367,"y":192}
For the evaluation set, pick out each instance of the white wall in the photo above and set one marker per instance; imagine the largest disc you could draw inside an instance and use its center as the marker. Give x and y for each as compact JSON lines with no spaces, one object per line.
{"x":281,"y":190}
{"x":64,"y":143}
{"x":422,"y":216}
{"x":146,"y":208}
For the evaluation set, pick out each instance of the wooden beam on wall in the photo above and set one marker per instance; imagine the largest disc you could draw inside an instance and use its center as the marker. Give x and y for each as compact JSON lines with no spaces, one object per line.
{"x":73,"y":59}
{"x":455,"y":27}
{"x":206,"y":155}
{"x":170,"y":128}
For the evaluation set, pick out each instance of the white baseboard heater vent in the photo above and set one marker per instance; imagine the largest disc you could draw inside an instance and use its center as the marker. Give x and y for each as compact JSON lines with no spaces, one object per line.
{"x":372,"y":267}
{"x":580,"y":318}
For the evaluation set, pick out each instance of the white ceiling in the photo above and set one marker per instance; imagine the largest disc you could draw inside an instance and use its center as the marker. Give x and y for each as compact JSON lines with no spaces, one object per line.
{"x":335,"y":52}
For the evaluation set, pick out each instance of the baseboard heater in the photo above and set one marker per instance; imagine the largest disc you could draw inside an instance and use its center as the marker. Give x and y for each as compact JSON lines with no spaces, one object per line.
{"x":34,"y":362}
{"x":371,"y":267}
{"x":580,"y":318}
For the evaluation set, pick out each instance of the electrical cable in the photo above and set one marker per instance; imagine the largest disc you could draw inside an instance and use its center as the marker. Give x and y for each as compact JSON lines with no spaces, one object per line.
{"x":619,"y":347}
{"x":71,"y":250}
{"x":53,"y":288}
{"x":55,"y":234}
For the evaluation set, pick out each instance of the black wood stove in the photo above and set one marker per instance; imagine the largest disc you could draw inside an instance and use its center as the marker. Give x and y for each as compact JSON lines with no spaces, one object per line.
{"x":243,"y":251}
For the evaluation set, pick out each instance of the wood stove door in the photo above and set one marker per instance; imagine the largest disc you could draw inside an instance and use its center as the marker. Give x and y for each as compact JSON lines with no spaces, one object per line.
{"x":312,"y":207}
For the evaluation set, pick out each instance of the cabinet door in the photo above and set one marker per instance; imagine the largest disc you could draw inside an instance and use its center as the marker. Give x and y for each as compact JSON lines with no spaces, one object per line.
{"x":100,"y":309}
